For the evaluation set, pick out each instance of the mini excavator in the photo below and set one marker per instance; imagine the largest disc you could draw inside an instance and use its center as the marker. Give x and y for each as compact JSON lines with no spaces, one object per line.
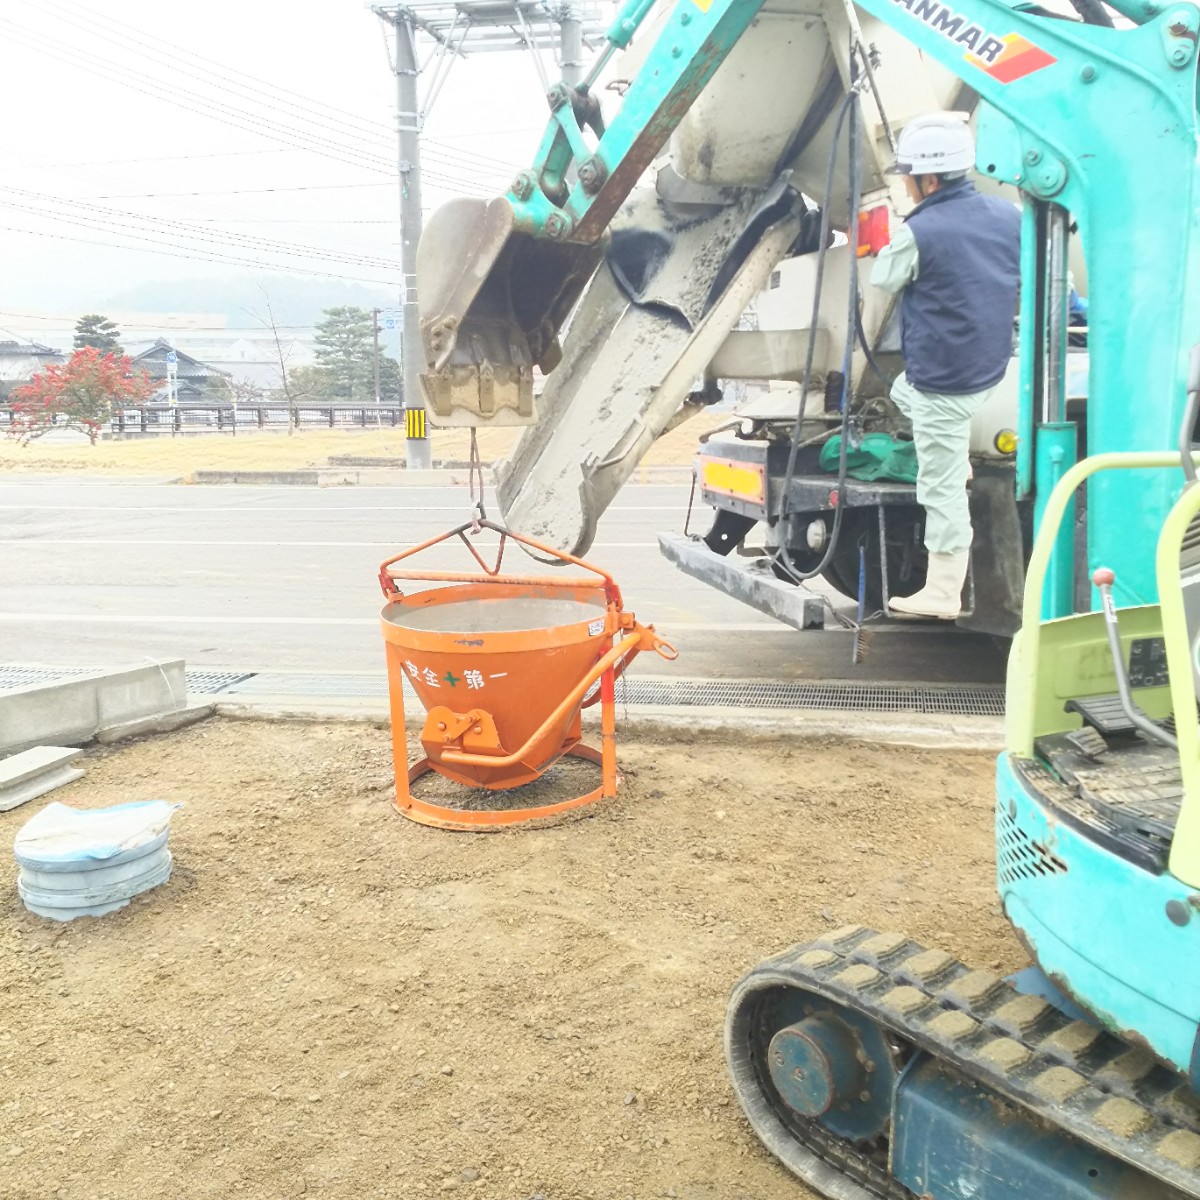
{"x":869,"y":1065}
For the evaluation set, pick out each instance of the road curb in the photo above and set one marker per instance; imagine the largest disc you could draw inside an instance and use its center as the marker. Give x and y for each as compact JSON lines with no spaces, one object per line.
{"x":304,"y":478}
{"x":99,"y":704}
{"x":332,"y":477}
{"x":367,"y":475}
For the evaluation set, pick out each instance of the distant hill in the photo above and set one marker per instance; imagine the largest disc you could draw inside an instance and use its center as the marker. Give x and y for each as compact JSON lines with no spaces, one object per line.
{"x":295,"y":300}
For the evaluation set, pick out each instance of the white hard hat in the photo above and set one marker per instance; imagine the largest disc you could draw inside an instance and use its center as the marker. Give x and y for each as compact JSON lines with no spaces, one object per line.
{"x":935,"y":144}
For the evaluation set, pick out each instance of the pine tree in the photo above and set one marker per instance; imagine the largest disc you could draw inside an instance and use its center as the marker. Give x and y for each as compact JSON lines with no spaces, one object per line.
{"x":345,"y":351}
{"x":99,"y":333}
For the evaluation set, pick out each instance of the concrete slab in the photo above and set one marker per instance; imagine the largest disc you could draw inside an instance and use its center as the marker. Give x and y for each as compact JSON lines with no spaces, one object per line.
{"x":76,"y":709}
{"x":196,"y":710}
{"x":33,"y":773}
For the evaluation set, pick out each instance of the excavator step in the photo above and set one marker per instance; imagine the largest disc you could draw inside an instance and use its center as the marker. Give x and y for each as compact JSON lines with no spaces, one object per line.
{"x":1103,"y":714}
{"x":1129,"y":795}
{"x":1068,"y":1073}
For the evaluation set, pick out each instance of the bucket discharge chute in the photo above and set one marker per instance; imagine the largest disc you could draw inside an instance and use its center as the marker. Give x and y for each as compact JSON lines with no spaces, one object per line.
{"x":504,"y":666}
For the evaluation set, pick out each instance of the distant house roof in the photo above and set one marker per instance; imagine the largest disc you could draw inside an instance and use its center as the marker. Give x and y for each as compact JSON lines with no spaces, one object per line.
{"x":20,"y":361}
{"x":32,"y":349}
{"x":154,"y":363}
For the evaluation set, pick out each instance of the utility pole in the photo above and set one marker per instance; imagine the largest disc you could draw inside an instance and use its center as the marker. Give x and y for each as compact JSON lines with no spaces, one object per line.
{"x":375,"y":331}
{"x":570,"y":42}
{"x":417,"y":452}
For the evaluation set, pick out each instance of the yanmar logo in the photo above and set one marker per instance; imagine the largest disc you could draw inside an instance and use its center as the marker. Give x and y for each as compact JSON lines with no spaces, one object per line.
{"x":1004,"y":58}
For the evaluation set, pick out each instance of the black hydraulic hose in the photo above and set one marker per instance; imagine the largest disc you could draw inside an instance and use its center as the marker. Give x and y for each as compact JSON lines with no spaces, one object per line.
{"x":1093,"y":12}
{"x":850,"y":106}
{"x":866,"y":349}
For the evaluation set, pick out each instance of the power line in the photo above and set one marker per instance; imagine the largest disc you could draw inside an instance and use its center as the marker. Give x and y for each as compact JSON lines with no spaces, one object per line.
{"x":93,"y":215}
{"x":225,"y":72}
{"x":201,"y":257}
{"x":222,"y":113}
{"x":224,"y":216}
{"x":192,"y":102}
{"x":333,"y":138}
{"x":306,"y":187}
{"x":161,"y":158}
{"x":188,"y":203}
{"x":300,"y":220}
{"x":180,"y":331}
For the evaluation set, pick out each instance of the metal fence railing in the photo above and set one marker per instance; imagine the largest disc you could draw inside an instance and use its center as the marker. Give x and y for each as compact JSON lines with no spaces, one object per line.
{"x":229,"y":418}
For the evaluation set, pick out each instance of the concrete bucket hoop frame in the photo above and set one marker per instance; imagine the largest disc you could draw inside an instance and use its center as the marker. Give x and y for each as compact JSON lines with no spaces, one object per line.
{"x":503,"y":665}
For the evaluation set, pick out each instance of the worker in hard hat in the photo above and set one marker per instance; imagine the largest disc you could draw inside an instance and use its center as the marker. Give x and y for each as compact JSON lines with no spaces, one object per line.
{"x":956,"y":264}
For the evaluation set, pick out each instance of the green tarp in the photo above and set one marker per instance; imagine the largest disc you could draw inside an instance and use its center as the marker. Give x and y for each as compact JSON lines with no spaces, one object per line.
{"x":878,"y":456}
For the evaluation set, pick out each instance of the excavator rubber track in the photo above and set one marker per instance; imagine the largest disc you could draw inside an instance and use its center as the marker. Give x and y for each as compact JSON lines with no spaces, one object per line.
{"x":1071,"y":1074}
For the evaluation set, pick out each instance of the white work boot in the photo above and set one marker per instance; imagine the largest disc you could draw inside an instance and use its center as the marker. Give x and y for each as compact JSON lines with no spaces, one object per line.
{"x":941,"y":596}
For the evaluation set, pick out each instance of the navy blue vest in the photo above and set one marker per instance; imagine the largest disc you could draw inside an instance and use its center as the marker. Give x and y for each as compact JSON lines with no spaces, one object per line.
{"x":957,"y":315}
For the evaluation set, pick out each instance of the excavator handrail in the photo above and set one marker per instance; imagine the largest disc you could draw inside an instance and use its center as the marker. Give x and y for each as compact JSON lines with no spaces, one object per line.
{"x":1184,"y":861}
{"x":1023,"y":667}
{"x":1056,"y":507}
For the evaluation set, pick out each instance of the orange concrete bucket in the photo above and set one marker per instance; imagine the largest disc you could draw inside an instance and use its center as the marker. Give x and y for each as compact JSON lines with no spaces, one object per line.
{"x":504,"y":666}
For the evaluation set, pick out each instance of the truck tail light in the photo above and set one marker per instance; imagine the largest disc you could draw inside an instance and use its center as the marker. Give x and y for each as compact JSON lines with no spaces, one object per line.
{"x":873,"y":232}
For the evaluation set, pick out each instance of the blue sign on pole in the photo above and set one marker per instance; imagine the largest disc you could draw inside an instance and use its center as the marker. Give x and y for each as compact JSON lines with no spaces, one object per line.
{"x":172,"y":357}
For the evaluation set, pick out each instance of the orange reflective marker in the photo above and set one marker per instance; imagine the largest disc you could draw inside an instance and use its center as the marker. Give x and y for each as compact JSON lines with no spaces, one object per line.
{"x":504,"y":666}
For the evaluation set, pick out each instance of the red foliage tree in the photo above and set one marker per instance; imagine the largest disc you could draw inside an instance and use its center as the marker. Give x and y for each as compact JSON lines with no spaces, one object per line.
{"x":78,"y":394}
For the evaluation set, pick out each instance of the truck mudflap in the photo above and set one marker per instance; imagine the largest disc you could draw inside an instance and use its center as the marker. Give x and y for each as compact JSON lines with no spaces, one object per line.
{"x":997,"y":552}
{"x":753,"y":584}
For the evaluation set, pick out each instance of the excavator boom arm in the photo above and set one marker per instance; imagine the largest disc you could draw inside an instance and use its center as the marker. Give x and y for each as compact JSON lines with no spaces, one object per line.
{"x":498,"y":278}
{"x":691,"y":46}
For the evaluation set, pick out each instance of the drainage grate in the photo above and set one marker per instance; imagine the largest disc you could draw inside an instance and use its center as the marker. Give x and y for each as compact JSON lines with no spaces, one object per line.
{"x":207,"y":683}
{"x":974,"y":701}
{"x":19,"y":677}
{"x":981,"y":701}
{"x":200,"y":682}
{"x":977,"y":701}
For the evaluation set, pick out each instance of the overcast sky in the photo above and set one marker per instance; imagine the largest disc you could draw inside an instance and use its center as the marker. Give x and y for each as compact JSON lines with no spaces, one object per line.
{"x":130,"y":123}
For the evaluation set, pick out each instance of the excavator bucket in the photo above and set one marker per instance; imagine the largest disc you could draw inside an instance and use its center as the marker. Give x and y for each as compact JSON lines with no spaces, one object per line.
{"x":492,"y":301}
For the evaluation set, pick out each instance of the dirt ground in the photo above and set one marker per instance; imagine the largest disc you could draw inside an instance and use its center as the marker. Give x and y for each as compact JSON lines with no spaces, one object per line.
{"x":327,"y":1000}
{"x":275,"y":451}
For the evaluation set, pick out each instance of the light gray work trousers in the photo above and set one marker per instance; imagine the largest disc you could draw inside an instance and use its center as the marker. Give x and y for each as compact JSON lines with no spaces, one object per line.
{"x":942,"y":435}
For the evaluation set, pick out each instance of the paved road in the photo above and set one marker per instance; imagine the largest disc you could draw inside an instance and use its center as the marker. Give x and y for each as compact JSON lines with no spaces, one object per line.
{"x":283,"y":578}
